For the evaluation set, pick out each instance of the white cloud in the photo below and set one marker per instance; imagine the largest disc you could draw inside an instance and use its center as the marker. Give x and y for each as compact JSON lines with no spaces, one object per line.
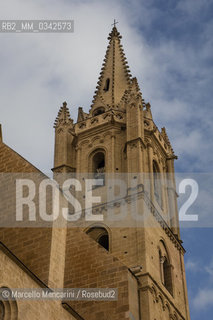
{"x":203,"y":299}
{"x":192,"y":266}
{"x":209,"y":270}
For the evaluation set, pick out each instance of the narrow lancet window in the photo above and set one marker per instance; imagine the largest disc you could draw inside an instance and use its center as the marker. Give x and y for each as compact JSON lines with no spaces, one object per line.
{"x":99,"y":166}
{"x":165,"y":268}
{"x":157,"y":183}
{"x":106,"y":87}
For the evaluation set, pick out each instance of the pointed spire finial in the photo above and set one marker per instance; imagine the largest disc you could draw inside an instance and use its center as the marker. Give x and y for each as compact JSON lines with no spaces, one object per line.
{"x":63,"y":117}
{"x":114,"y":32}
{"x":166,"y":138}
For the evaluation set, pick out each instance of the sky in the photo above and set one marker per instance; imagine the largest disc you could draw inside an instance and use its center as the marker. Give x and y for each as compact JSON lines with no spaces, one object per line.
{"x":168,"y":45}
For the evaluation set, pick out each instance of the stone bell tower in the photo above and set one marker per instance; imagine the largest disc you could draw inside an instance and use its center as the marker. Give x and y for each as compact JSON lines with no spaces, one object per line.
{"x":118,"y":136}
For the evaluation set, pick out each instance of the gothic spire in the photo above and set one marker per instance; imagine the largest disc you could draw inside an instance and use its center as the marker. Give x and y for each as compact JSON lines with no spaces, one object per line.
{"x":115,"y":76}
{"x":63,"y":117}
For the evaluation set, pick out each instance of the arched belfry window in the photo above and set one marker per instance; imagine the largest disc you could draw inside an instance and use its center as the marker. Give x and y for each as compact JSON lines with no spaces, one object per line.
{"x":2,"y":310}
{"x":8,"y":307}
{"x":157,"y":183}
{"x":100,"y":235}
{"x":98,"y":111}
{"x":98,"y":165}
{"x":165,"y":268}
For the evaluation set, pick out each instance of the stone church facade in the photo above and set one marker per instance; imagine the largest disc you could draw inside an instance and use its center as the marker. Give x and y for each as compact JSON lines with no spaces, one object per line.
{"x":143,"y":259}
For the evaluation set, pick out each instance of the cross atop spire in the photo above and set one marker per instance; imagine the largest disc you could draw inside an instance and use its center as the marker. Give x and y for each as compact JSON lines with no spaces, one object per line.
{"x":114,"y":23}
